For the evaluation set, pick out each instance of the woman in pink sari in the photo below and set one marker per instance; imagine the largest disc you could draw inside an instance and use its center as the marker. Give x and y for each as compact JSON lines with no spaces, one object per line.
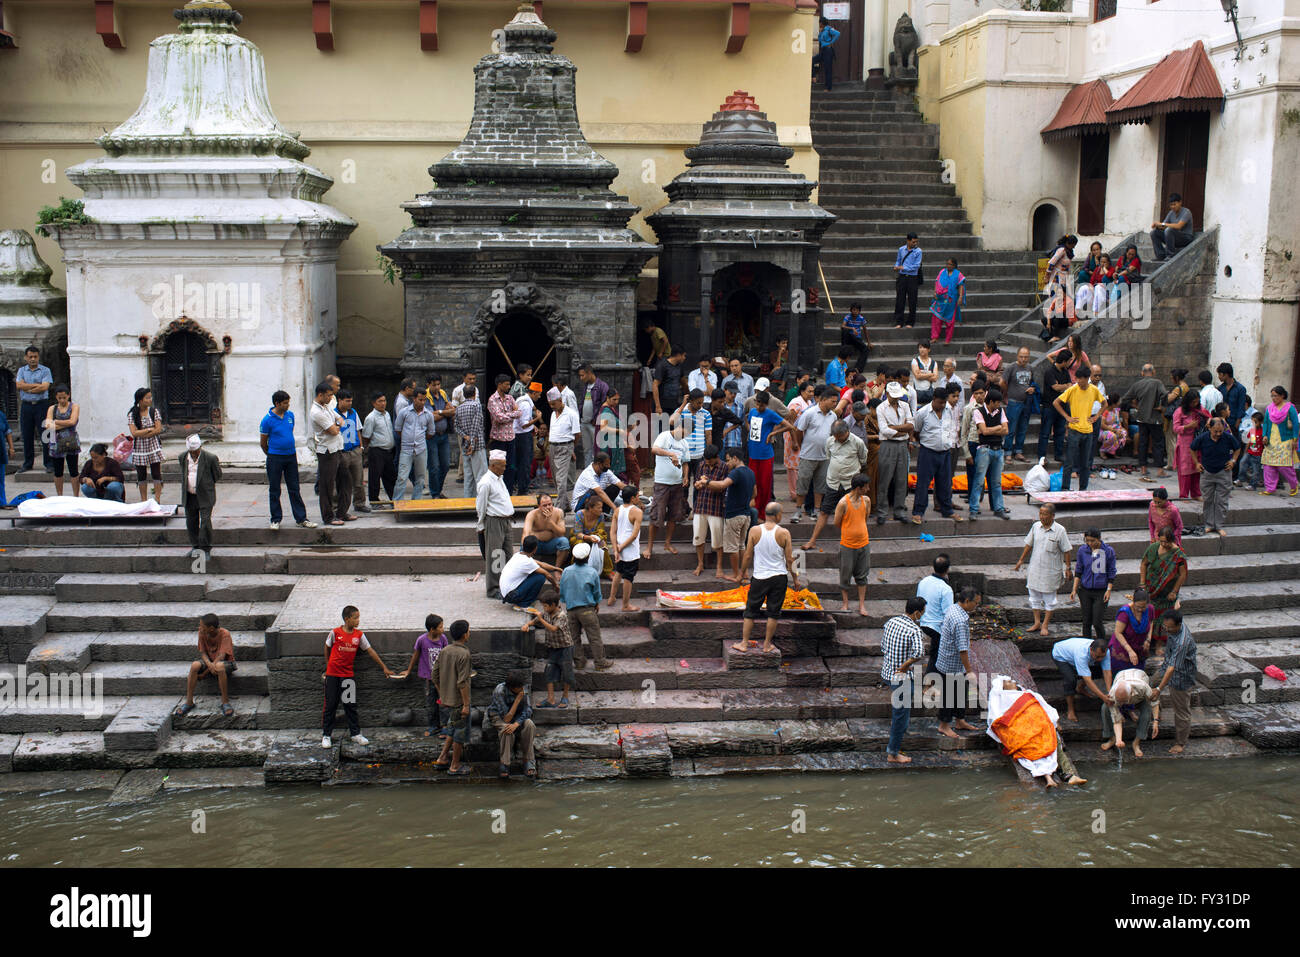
{"x":949,"y":295}
{"x":791,"y":442}
{"x":1188,"y":420}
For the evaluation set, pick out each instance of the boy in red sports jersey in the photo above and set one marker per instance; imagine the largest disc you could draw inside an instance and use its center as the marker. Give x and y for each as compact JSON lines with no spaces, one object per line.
{"x":341,"y":647}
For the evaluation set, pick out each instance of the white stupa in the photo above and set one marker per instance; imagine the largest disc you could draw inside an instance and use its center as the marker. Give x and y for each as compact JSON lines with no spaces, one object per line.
{"x":32,"y":312}
{"x":207,"y":271}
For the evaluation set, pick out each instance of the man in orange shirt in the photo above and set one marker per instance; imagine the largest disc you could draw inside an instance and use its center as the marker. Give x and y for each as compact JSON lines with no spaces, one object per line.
{"x":855,"y":549}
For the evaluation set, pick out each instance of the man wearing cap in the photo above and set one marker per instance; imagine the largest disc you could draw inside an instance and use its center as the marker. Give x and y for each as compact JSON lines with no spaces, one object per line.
{"x":580,"y":592}
{"x":564,"y":428}
{"x":202,"y":472}
{"x":907,"y":272}
{"x":494,"y":513}
{"x":896,"y":428}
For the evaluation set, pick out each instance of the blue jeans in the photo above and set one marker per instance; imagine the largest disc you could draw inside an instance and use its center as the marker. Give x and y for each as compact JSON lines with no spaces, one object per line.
{"x":1252,"y":471}
{"x":988,"y":462}
{"x":437,"y":462}
{"x":411,"y":464}
{"x":113,"y":491}
{"x":527,"y":591}
{"x":1052,"y":430}
{"x":286,"y":467}
{"x":899,"y":691}
{"x":1018,"y":425}
{"x":1079,"y":447}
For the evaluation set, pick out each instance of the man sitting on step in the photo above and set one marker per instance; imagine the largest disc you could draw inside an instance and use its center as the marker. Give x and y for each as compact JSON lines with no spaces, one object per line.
{"x":216,"y":659}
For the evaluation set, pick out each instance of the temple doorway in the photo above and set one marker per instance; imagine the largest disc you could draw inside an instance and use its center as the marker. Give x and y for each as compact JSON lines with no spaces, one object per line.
{"x":520,"y":337}
{"x":743,"y":324}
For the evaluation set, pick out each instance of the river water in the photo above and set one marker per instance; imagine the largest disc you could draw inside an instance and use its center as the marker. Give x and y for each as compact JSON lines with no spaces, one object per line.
{"x":1166,"y":813}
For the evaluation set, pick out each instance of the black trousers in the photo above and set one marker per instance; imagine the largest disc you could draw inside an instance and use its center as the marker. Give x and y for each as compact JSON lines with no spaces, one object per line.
{"x":329,"y":475}
{"x":954,"y":698}
{"x":906,"y":288}
{"x":853,"y":342}
{"x":198,"y":522}
{"x":30,"y":415}
{"x":934,"y":650}
{"x":1093,"y":606}
{"x":334,"y":696}
{"x":1151,"y":440}
{"x":383,"y":468}
{"x":825,"y":58}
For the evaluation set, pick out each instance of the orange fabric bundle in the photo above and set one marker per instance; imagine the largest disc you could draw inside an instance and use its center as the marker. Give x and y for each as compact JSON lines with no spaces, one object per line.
{"x":734,"y":598}
{"x":1025,"y":730}
{"x":1010,"y":482}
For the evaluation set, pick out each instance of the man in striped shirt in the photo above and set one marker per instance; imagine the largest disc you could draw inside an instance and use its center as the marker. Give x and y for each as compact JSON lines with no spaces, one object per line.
{"x":1179,"y":675}
{"x":902,"y":646}
{"x":698,"y":424}
{"x":953,"y":663}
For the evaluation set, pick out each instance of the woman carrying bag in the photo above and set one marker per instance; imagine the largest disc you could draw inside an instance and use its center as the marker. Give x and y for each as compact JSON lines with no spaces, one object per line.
{"x":61,"y":435}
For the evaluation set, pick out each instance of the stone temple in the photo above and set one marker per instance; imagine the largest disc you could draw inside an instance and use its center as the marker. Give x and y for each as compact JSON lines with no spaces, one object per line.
{"x":740,"y":243}
{"x":521,"y":252}
{"x":32,"y":312}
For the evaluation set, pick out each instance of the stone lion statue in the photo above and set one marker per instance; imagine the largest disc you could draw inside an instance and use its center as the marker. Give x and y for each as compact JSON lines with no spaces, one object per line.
{"x":906,"y":43}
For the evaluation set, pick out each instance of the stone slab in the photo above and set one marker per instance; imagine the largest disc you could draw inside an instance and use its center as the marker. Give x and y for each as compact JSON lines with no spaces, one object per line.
{"x":1262,"y":652}
{"x":70,"y":751}
{"x":210,"y":749}
{"x":8,"y":743}
{"x":1269,"y":725}
{"x":801,"y":737}
{"x":393,"y":608}
{"x":1218,"y":667}
{"x":298,"y":756}
{"x":786,"y":703}
{"x":137,"y":785}
{"x":189,"y":779}
{"x":578,"y":742}
{"x":583,"y":769}
{"x":61,"y":652}
{"x":666,"y":706}
{"x":144,"y":723}
{"x":645,"y":750}
{"x":22,"y":624}
{"x":702,"y":738}
{"x":49,"y":782}
{"x":754,"y":658}
{"x":207,"y":716}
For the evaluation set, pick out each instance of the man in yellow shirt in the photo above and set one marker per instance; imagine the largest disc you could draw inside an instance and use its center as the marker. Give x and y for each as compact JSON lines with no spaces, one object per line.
{"x":1079,"y":440}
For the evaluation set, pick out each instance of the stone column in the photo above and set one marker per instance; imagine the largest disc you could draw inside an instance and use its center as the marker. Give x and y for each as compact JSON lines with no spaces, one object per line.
{"x":706,"y":318}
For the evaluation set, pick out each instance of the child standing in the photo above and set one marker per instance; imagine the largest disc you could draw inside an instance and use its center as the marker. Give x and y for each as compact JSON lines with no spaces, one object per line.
{"x":341,"y":647}
{"x":427,"y":647}
{"x":453,"y":677}
{"x":559,"y":646}
{"x":1252,"y":466}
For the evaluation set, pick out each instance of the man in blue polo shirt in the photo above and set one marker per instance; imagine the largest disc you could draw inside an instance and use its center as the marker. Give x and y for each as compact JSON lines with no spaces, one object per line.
{"x":1080,"y":662}
{"x":33,"y":384}
{"x":282,"y":460}
{"x":761,"y":424}
{"x":907,"y":272}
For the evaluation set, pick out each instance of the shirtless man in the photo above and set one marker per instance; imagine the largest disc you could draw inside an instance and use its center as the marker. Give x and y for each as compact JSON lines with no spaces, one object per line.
{"x":547,"y":523}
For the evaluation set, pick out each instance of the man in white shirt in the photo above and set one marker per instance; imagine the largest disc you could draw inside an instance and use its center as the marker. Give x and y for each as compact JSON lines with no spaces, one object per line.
{"x":669,"y":504}
{"x":327,"y":441}
{"x":494,"y":514}
{"x":524,"y":576}
{"x":948,"y":376}
{"x":895,"y":419}
{"x":525,"y":426}
{"x":458,"y":393}
{"x":564,"y":428}
{"x":744,"y":381}
{"x":593,"y":480}
{"x":814,"y":430}
{"x":704,"y":379}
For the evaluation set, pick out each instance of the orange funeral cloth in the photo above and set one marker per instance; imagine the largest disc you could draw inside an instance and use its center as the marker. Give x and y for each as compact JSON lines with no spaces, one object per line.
{"x":733,"y":599}
{"x":1010,"y":482}
{"x":1025,"y":730}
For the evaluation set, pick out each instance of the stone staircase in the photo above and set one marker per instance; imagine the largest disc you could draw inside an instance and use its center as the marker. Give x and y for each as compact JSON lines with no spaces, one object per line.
{"x":677,"y":699}
{"x":881,"y":175}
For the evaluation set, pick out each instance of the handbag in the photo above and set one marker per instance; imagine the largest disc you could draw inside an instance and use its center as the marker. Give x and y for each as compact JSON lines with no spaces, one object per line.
{"x":122,"y":447}
{"x":66,"y":442}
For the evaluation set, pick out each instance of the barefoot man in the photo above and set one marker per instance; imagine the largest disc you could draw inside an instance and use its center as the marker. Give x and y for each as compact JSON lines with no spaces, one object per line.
{"x":953,"y":663}
{"x":546,"y":523}
{"x":671,"y":476}
{"x":1131,"y":687}
{"x":738,"y":485}
{"x":770,"y":550}
{"x":1081,"y":662}
{"x":855,"y":547}
{"x":626,"y":535}
{"x":1046,"y":545}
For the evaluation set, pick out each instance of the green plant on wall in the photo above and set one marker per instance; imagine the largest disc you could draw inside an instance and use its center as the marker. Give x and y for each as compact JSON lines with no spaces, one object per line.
{"x":1046,"y":6}
{"x":387,"y":267}
{"x":69,"y":212}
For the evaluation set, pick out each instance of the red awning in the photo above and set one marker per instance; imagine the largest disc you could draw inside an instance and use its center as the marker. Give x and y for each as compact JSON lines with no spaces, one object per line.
{"x":1183,"y":82}
{"x":1082,"y":111}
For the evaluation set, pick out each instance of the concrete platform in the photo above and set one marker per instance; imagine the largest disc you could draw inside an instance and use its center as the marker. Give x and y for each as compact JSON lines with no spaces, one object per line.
{"x":393,"y":609}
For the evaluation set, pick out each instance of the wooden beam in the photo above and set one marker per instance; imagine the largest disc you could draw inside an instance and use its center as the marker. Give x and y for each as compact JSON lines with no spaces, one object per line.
{"x":429,"y":25}
{"x":106,"y":24}
{"x":638,"y":18}
{"x":739,"y":29}
{"x":322,"y":24}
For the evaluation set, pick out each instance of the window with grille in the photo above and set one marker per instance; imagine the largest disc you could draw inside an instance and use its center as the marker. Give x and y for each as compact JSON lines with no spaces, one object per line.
{"x":187,"y":380}
{"x":1103,"y":9}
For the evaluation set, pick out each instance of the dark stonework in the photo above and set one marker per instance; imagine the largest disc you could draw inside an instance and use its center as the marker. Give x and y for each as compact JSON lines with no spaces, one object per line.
{"x":521,"y":228}
{"x":739,"y":228}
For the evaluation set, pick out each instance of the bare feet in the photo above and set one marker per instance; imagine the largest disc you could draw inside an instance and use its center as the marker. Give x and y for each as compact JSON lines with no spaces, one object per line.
{"x":948,"y":732}
{"x":862,"y":610}
{"x":649,"y":554}
{"x":743,"y":645}
{"x":768,"y":649}
{"x":699,"y":570}
{"x":670,"y":550}
{"x":1176,"y":749}
{"x":964,"y":725}
{"x":1137,"y":750}
{"x":1075,"y":779}
{"x":1108,"y":745}
{"x":898,"y":758}
{"x":1049,"y":782}
{"x":1043,"y":631}
{"x":627,"y":606}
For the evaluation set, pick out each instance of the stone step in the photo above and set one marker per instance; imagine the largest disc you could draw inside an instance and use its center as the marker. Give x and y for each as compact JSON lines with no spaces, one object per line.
{"x":670,"y":674}
{"x":168,"y":677}
{"x":1280,"y":597}
{"x":158,"y":616}
{"x":161,"y":587}
{"x":916,"y":133}
{"x":72,"y":751}
{"x":144,"y":723}
{"x":16,"y":719}
{"x":73,"y":651}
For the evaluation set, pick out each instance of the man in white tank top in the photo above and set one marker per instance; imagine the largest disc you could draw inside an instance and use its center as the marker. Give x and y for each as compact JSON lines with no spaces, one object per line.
{"x":772,"y":554}
{"x":625,"y":541}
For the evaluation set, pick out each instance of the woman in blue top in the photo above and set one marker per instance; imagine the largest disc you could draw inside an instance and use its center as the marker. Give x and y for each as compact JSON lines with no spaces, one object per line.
{"x":826,"y":52}
{"x":949,"y":295}
{"x":1094,"y":574}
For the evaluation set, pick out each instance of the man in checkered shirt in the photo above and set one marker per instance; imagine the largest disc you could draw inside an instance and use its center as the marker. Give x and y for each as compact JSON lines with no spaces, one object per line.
{"x":902,"y":645}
